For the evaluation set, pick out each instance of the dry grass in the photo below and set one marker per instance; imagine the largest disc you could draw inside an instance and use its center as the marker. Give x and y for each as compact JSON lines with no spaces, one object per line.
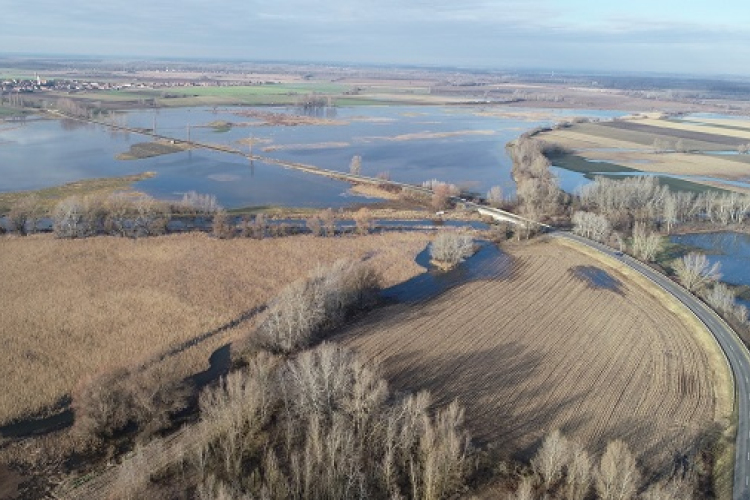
{"x":143,"y":150}
{"x":547,"y":349}
{"x":372,"y":191}
{"x":48,"y":197}
{"x":72,"y":308}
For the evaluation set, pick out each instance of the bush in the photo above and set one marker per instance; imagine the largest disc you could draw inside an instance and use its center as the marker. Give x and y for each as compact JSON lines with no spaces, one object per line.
{"x":324,"y":300}
{"x":105,"y":405}
{"x":24,"y":214}
{"x":221,"y":226}
{"x":449,"y":248}
{"x":68,"y":219}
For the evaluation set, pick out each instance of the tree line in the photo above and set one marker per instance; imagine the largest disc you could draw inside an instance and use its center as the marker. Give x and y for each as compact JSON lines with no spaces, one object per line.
{"x":296,"y":418}
{"x":139,"y":215}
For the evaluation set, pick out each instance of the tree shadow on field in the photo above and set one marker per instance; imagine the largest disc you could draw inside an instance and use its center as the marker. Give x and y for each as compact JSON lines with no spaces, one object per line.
{"x":500,"y":410}
{"x":598,"y":278}
{"x":663,"y":453}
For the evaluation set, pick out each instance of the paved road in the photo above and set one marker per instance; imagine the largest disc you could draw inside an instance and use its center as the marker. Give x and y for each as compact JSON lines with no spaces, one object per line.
{"x":736,"y":353}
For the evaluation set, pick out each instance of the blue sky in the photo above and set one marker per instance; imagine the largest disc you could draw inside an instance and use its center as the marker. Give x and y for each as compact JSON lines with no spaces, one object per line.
{"x":689,"y":36}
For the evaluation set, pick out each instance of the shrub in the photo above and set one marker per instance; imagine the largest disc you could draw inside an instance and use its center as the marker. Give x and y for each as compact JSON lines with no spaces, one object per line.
{"x":323,"y":300}
{"x":24,"y":214}
{"x":450,"y":248}
{"x":107,"y":404}
{"x":221,"y":226}
{"x":68,"y":219}
{"x":363,"y":220}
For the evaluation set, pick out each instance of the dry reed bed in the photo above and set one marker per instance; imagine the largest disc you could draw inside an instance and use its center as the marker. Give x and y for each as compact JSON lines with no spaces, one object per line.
{"x":78,"y":307}
{"x":546,"y":350}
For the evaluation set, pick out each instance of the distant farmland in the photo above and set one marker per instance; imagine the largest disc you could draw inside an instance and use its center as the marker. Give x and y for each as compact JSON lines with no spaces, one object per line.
{"x":566,"y":342}
{"x":689,"y":149}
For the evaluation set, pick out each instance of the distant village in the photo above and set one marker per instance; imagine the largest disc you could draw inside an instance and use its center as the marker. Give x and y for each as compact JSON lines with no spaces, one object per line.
{"x":38,"y":84}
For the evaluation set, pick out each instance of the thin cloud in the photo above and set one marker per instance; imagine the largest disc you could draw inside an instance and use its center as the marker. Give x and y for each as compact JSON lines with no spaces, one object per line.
{"x":493,"y":33}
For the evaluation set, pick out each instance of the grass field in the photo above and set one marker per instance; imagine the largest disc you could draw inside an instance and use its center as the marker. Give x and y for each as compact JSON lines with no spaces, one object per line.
{"x":567,"y":341}
{"x":48,"y":197}
{"x":77,"y":307}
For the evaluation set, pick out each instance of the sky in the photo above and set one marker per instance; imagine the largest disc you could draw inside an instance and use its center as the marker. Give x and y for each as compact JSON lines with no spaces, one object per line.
{"x":665,"y":36}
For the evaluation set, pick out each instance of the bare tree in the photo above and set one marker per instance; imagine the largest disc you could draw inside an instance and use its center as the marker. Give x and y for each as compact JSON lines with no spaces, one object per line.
{"x":549,"y":461}
{"x":525,"y":490}
{"x":355,"y":166}
{"x":149,"y":217}
{"x":259,"y":227}
{"x":695,"y":272}
{"x":440,"y":197}
{"x":200,"y":203}
{"x":68,"y":219}
{"x":328,"y":221}
{"x":646,"y":244}
{"x":578,"y":478}
{"x":592,"y":226}
{"x":720,"y":297}
{"x":451,"y":248}
{"x":306,"y":307}
{"x":363,"y":220}
{"x":315,"y":225}
{"x":385,"y":175}
{"x":221,"y":226}
{"x":119,"y":206}
{"x":24,"y":214}
{"x":617,"y":477}
{"x":495,"y":196}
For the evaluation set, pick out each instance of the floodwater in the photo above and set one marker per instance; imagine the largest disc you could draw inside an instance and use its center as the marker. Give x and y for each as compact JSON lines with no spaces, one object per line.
{"x":571,"y":181}
{"x":489,"y":262}
{"x":731,"y":250}
{"x":44,"y":153}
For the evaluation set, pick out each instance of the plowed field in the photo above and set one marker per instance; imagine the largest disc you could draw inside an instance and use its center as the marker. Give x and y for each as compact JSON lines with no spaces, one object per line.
{"x":566,"y":342}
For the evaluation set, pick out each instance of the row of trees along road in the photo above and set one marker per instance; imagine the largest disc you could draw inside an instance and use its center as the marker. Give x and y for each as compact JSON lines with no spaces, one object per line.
{"x":633,"y":214}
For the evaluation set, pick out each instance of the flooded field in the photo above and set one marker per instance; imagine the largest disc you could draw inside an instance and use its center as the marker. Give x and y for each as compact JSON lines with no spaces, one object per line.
{"x":461,"y":145}
{"x":730,"y":249}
